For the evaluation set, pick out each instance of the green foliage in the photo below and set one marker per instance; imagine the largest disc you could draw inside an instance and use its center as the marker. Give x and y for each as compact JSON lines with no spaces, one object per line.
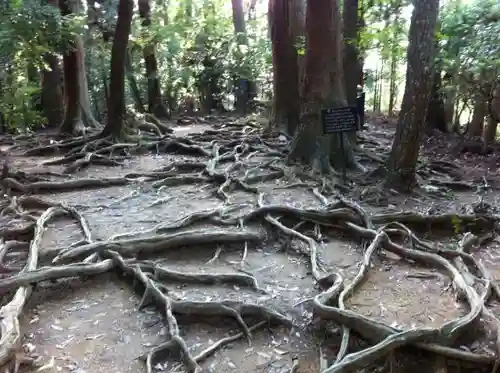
{"x":196,"y":46}
{"x":29,"y":30}
{"x":16,"y":107}
{"x":469,"y":44}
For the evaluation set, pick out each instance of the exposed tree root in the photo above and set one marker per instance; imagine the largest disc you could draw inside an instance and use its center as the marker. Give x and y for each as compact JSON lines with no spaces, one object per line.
{"x":125,"y":252}
{"x":61,"y":186}
{"x":159,"y":243}
{"x":384,"y":336}
{"x":9,"y":314}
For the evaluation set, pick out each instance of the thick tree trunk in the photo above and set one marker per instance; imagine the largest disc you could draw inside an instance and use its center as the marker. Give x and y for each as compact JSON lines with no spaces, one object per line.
{"x":476,"y":125}
{"x":297,"y":10}
{"x":52,"y":92}
{"x":155,"y":101}
{"x":116,"y":103}
{"x":285,"y":67}
{"x":73,"y":115}
{"x":323,"y":88}
{"x":402,"y":161}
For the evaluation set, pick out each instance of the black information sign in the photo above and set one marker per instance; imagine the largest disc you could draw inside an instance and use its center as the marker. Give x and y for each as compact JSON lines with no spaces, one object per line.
{"x":341,"y":119}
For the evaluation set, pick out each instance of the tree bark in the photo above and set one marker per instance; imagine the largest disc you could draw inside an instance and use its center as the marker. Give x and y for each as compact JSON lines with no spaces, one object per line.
{"x":155,"y":101}
{"x":116,"y":103}
{"x":73,"y":115}
{"x":87,"y":116}
{"x":489,"y":133}
{"x":450,"y":100}
{"x":490,"y":130}
{"x":132,"y":82}
{"x":476,"y":125}
{"x":393,"y":86}
{"x":285,"y":68}
{"x":323,"y":88}
{"x":246,"y":87}
{"x":351,"y":54}
{"x":436,"y":116}
{"x":352,"y":63}
{"x":297,"y":10}
{"x":52,"y":92}
{"x":402,"y":161}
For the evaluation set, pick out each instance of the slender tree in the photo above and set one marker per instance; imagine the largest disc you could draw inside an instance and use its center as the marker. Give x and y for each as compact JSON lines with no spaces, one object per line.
{"x":490,"y":130}
{"x":246,"y":85}
{"x":73,"y":115}
{"x":402,"y":161}
{"x":116,"y":101}
{"x":84,"y":97}
{"x":155,"y":101}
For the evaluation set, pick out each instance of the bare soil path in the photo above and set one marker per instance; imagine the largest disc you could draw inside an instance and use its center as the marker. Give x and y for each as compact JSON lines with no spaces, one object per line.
{"x":93,"y":323}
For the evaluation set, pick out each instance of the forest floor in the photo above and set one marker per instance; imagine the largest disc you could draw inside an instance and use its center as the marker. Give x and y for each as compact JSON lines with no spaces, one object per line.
{"x":93,"y":323}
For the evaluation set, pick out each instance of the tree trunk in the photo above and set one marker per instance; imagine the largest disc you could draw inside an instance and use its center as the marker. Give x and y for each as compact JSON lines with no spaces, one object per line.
{"x":52,"y":92}
{"x":392,"y":84}
{"x":375,"y":90}
{"x":476,"y":125}
{"x":297,"y":10}
{"x":87,"y":116}
{"x":489,"y":133}
{"x":323,"y":88}
{"x":285,"y":67}
{"x":351,"y":55}
{"x":155,"y":101}
{"x":132,"y":82}
{"x":490,"y":130}
{"x":116,"y":103}
{"x":351,"y":60}
{"x":393,"y":78}
{"x":402,"y":161}
{"x":436,"y":116}
{"x":246,"y":88}
{"x":73,"y":115}
{"x":450,"y":100}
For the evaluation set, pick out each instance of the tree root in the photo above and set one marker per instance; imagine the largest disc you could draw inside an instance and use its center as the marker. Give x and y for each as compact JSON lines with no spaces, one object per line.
{"x":9,"y":314}
{"x":61,"y":186}
{"x":153,"y":293}
{"x":329,"y":304}
{"x":163,"y":274}
{"x":451,"y":222}
{"x":158,"y":243}
{"x":367,"y":328}
{"x":25,"y":279}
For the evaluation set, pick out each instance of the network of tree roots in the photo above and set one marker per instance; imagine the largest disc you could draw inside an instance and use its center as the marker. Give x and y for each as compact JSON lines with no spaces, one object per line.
{"x":224,"y":154}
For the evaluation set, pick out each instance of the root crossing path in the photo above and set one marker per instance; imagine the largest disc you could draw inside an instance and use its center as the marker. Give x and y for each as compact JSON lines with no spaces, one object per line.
{"x":225,"y":199}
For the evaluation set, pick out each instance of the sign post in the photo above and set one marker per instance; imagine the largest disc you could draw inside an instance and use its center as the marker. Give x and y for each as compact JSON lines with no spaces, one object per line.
{"x":341,"y":120}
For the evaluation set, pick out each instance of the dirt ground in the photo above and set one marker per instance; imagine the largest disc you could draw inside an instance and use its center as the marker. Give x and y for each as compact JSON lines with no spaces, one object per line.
{"x":93,"y":324}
